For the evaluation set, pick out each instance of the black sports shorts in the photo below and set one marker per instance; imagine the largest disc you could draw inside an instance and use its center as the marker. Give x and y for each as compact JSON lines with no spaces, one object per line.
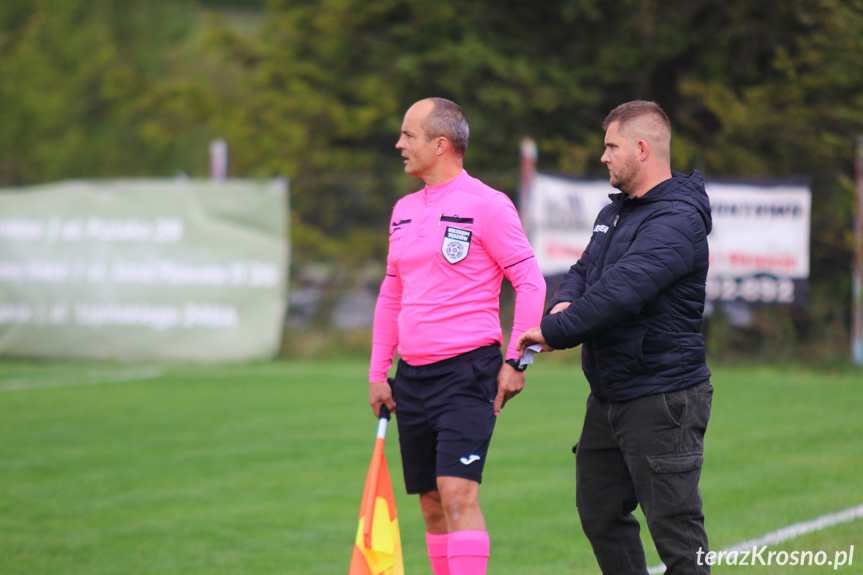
{"x":445,"y":416}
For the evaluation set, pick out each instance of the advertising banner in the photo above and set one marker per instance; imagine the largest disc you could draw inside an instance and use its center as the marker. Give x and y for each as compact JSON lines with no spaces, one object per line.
{"x":143,"y":270}
{"x":759,"y":246}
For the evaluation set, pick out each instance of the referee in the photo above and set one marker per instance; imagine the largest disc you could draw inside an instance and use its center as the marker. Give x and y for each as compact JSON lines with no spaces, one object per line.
{"x":450,"y":246}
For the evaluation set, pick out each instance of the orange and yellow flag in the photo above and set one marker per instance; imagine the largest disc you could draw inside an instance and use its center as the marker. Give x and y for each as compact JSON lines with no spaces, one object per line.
{"x":378,"y":548}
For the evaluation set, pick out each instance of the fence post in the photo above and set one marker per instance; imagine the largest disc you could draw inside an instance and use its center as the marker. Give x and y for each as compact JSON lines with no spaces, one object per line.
{"x":857,"y":309}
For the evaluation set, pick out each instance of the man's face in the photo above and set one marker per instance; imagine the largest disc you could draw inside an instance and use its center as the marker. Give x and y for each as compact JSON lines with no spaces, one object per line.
{"x":418,"y":152}
{"x":619,"y":156}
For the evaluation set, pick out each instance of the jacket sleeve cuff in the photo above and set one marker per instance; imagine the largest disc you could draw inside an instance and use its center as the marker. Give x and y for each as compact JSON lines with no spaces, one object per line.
{"x":551,"y":332}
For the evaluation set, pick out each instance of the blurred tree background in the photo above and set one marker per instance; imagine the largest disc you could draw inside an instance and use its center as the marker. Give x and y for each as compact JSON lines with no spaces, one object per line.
{"x":316,"y":89}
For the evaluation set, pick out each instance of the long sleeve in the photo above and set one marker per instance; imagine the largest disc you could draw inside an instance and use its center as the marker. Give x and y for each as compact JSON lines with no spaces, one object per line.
{"x":663,"y":253}
{"x":507,"y":244}
{"x":574,"y":283}
{"x":385,"y":334}
{"x":529,"y":299}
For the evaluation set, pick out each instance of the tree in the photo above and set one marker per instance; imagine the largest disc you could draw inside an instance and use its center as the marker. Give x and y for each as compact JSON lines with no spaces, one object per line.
{"x":93,"y":89}
{"x":753,"y":89}
{"x":111,"y":88}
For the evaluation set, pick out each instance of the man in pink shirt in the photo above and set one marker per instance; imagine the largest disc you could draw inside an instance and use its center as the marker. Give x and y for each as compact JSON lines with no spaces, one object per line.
{"x":451,"y":244}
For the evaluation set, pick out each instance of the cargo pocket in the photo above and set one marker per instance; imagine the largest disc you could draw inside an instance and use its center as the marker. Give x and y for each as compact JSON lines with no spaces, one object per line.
{"x":675,"y":463}
{"x":672,"y":504}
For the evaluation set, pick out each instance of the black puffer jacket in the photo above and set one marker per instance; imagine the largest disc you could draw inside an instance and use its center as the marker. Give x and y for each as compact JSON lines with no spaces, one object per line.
{"x":637,"y":293}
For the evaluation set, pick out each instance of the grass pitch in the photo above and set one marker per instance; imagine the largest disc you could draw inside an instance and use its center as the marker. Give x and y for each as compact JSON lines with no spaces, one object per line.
{"x":259,"y":468}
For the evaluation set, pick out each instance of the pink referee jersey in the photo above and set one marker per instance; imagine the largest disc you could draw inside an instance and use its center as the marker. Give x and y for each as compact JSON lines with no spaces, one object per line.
{"x":450,"y":247}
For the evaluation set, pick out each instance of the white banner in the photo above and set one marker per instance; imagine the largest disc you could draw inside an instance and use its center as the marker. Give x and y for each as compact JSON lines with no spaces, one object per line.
{"x":143,"y":269}
{"x":759,"y":246}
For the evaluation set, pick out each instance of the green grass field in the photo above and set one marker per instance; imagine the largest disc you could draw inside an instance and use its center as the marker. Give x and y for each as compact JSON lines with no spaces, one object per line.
{"x":257,"y":469}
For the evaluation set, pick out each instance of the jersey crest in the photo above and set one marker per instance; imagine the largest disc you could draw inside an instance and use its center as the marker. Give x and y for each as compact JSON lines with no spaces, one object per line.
{"x":456,"y":244}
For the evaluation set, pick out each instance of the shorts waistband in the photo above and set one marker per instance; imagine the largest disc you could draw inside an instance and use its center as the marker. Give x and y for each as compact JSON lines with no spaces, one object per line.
{"x":478,"y":352}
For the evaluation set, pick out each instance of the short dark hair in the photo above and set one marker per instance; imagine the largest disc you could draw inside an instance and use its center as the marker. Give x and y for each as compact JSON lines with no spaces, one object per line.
{"x":447,"y":119}
{"x":629,"y":111}
{"x":642,"y":119}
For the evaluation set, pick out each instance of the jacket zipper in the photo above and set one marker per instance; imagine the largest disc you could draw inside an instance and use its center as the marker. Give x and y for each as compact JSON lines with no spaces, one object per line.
{"x":611,"y":237}
{"x":605,"y":258}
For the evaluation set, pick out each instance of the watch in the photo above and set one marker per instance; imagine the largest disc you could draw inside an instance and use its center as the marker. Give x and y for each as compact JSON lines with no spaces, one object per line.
{"x":516,"y":364}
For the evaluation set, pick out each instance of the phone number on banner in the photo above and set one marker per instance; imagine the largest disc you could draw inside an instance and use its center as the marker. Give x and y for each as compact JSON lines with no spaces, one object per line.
{"x":757,"y":289}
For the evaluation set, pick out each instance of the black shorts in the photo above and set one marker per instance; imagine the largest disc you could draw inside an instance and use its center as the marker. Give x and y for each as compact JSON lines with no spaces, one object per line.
{"x":445,"y":416}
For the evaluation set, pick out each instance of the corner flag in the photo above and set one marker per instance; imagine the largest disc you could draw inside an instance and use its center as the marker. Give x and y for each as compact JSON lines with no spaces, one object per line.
{"x":378,"y":547}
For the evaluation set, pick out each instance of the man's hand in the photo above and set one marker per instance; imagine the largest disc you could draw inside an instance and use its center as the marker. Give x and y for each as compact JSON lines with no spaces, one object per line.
{"x":559,"y":307}
{"x":530,"y":337}
{"x":381,"y":393}
{"x":509,"y":384}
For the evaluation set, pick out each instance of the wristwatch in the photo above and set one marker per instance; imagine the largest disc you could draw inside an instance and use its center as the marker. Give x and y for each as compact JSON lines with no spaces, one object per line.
{"x":516,"y":364}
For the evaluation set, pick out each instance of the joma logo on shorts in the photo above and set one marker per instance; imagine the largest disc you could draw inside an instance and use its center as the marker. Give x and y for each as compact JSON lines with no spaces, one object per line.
{"x":468,"y":460}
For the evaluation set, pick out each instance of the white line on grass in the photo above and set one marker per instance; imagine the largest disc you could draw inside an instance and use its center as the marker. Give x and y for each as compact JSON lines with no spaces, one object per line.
{"x":789,"y":532}
{"x":92,"y":377}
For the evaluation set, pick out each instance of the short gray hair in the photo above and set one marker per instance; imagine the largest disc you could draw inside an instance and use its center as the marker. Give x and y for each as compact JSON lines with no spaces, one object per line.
{"x":447,"y":119}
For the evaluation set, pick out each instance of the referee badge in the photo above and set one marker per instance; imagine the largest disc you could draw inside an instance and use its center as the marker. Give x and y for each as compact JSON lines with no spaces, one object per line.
{"x":456,"y":244}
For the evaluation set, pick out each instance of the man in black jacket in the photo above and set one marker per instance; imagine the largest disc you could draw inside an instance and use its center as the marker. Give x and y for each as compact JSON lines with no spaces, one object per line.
{"x":635,"y":301}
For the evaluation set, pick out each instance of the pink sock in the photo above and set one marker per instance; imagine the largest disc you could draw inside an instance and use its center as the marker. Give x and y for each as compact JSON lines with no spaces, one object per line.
{"x":468,"y":552}
{"x":437,"y":547}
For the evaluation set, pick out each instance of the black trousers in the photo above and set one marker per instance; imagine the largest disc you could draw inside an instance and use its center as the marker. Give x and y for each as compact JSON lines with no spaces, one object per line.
{"x":647,"y":451}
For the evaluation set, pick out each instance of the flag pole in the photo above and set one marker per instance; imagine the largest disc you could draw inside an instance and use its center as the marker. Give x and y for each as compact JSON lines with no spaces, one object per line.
{"x":369,"y":503}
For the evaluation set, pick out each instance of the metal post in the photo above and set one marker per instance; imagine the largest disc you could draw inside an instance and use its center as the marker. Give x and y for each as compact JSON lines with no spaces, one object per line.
{"x":528,"y":154}
{"x":218,"y":160}
{"x":857,"y":317}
